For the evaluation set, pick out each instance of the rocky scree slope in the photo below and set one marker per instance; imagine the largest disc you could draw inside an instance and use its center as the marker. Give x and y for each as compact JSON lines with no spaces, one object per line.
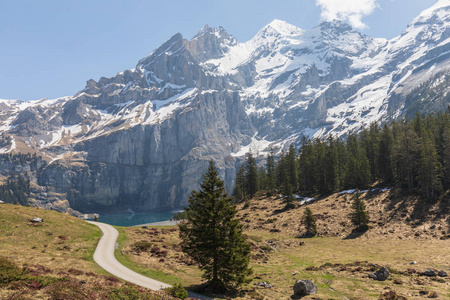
{"x":142,"y":138}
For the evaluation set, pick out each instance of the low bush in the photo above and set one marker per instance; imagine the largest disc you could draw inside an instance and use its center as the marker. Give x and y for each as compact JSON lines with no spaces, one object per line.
{"x":178,"y":291}
{"x":9,"y":272}
{"x":76,"y":272}
{"x":141,"y":246}
{"x":70,"y":290}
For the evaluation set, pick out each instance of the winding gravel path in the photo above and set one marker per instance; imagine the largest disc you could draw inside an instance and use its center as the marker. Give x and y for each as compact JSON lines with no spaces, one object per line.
{"x":104,"y":257}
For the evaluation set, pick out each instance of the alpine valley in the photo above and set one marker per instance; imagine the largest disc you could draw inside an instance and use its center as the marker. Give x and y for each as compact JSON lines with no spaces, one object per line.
{"x":141,"y":139}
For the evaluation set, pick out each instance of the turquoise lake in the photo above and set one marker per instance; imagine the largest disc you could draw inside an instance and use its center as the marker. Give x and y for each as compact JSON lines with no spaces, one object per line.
{"x":136,"y":219}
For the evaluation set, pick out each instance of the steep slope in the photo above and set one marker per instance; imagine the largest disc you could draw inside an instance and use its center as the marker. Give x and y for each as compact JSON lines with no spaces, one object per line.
{"x":142,"y":138}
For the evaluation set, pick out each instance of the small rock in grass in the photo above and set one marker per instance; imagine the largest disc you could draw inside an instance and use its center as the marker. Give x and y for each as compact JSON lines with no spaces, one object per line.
{"x":442,"y":273}
{"x":304,"y":287}
{"x":37,"y":220}
{"x":389,"y":295}
{"x":381,"y":275}
{"x":433,"y":294}
{"x":414,"y":263}
{"x":430,"y":273}
{"x":264,"y":285}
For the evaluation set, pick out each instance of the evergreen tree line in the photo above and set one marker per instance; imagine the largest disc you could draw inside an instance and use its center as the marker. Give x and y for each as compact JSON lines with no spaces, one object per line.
{"x":19,"y":158}
{"x":15,"y":191}
{"x":413,"y":154}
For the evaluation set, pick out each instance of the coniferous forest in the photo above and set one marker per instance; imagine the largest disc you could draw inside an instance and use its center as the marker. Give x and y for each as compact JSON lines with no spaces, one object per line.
{"x":413,"y":154}
{"x":15,"y":191}
{"x":16,"y":188}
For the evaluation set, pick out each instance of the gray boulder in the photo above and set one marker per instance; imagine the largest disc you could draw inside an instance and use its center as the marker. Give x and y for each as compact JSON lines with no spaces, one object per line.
{"x":381,"y":275}
{"x":304,"y":287}
{"x":37,"y":220}
{"x":442,"y":273}
{"x":430,"y":273}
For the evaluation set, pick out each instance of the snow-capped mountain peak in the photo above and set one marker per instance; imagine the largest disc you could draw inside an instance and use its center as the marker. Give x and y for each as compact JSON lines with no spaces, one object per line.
{"x":206,"y":30}
{"x":438,"y":13}
{"x":279,"y":27}
{"x":212,"y":97}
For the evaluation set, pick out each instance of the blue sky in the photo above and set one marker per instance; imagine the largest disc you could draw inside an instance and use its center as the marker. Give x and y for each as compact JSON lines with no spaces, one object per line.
{"x":50,"y":48}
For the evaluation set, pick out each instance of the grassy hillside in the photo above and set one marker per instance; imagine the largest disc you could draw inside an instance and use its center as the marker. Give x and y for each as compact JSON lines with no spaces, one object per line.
{"x":338,"y":261}
{"x":53,"y":259}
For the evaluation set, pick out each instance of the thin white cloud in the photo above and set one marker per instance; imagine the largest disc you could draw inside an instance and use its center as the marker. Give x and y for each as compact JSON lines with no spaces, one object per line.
{"x":351,"y":11}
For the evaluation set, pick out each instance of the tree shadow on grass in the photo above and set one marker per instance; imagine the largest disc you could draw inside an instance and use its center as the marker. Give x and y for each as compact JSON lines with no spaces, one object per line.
{"x":298,"y":296}
{"x":356,"y":233}
{"x":287,"y":207}
{"x":206,"y":291}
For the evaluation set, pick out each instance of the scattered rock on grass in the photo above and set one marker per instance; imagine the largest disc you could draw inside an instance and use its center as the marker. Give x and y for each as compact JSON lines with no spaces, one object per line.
{"x":37,"y":220}
{"x":304,"y":287}
{"x":433,"y":294}
{"x":381,"y":275}
{"x":442,"y":273}
{"x":391,"y":295}
{"x":264,"y":285}
{"x":430,"y":273}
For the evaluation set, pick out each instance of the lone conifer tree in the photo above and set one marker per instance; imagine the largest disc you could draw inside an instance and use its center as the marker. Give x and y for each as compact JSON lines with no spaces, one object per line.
{"x":359,"y":216}
{"x":212,"y":236}
{"x":310,"y":222}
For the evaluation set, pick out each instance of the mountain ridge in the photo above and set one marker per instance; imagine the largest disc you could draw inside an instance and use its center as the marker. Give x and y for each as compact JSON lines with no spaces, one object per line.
{"x":141,"y":138}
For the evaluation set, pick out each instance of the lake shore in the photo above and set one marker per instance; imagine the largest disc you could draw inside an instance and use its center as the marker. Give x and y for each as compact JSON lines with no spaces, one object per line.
{"x":161,"y":223}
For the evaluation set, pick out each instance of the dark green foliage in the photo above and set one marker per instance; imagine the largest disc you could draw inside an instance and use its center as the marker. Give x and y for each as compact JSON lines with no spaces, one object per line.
{"x":17,"y":188}
{"x":4,"y":140}
{"x":9,"y":272}
{"x":284,"y":171}
{"x":251,"y":175}
{"x":385,"y":161}
{"x":406,"y":154}
{"x":70,"y":290}
{"x":359,"y":216}
{"x":357,"y":173}
{"x":15,"y":191}
{"x":310,"y":222}
{"x":411,"y":154}
{"x":181,"y":215}
{"x":128,"y":292}
{"x":212,"y":236}
{"x":177,"y":291}
{"x":271,"y":173}
{"x":141,"y":246}
{"x":429,"y":169}
{"x":240,"y":190}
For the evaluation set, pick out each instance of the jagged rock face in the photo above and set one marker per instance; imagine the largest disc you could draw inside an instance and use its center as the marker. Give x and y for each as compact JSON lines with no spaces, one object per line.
{"x":142,"y":138}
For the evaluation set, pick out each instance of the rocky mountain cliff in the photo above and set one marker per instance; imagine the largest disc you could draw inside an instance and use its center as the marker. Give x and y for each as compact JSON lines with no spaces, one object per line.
{"x":142,"y":138}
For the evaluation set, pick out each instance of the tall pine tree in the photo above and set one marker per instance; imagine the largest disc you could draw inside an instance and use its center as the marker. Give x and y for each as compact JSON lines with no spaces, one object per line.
{"x":271,"y":173}
{"x":212,"y":236}
{"x":359,"y":216}
{"x":251,"y":174}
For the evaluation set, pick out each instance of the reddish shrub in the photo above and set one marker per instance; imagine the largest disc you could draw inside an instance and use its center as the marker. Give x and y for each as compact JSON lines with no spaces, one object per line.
{"x":70,"y":290}
{"x":154,"y":250}
{"x":112,"y":279}
{"x":76,"y":272}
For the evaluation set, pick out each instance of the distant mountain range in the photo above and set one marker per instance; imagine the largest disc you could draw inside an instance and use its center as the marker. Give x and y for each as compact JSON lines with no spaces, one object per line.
{"x":142,"y":138}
